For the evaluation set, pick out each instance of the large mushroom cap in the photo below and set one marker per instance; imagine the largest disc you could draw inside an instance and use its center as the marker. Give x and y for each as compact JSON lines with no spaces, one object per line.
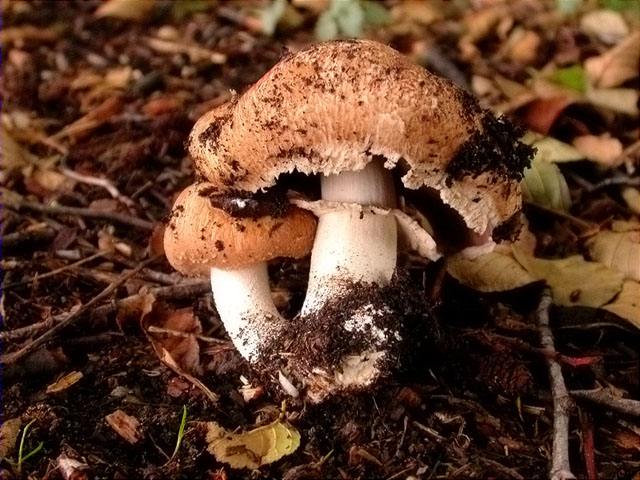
{"x":200,"y":235}
{"x":337,"y":105}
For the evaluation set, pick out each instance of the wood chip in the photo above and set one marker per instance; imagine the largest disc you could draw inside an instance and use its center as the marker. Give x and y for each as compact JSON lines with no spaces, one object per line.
{"x":125,"y":425}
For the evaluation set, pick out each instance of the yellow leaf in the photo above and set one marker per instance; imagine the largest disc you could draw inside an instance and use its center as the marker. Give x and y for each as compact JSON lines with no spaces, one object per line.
{"x":618,"y":250}
{"x":631,"y":196}
{"x":573,"y":280}
{"x":8,"y":435}
{"x":492,"y":272}
{"x":622,"y":100}
{"x":544,"y":184}
{"x":254,"y":448}
{"x":64,"y":382}
{"x":627,"y":304}
{"x":126,"y":9}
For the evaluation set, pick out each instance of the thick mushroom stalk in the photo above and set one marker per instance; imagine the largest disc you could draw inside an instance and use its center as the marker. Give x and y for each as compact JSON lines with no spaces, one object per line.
{"x":353,"y":246}
{"x":244,"y":303}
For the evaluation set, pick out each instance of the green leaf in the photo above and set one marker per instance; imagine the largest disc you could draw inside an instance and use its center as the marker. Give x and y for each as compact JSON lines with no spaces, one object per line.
{"x":271,"y":15}
{"x":254,"y":448}
{"x":573,"y":280}
{"x":572,"y":77}
{"x":349,"y":17}
{"x":326,"y":28}
{"x":544,"y":184}
{"x":375,"y":13}
{"x":620,"y":5}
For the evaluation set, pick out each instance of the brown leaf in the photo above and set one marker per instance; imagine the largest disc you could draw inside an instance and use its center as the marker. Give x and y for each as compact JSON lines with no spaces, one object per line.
{"x":125,"y":425}
{"x":541,"y":114}
{"x":627,"y":440}
{"x":617,"y":65}
{"x":134,"y":309}
{"x":175,"y":331}
{"x":8,"y":435}
{"x":126,"y":9}
{"x":65,"y":382}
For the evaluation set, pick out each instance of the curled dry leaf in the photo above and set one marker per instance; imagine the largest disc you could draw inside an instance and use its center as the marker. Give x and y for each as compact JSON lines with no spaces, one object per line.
{"x":607,"y":26}
{"x":126,"y":9}
{"x":627,"y":303}
{"x":618,"y":250}
{"x":603,"y":149}
{"x":65,"y":382}
{"x":541,"y":113}
{"x":573,"y":280}
{"x":544,"y":184}
{"x":617,"y":65}
{"x":8,"y":435}
{"x":254,"y":448}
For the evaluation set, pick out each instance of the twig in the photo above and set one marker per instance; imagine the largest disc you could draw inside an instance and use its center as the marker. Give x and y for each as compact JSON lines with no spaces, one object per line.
{"x":588,"y":446}
{"x":99,"y":182}
{"x":622,"y":405}
{"x":82,"y":212}
{"x":509,"y":472}
{"x":22,"y":238}
{"x":56,"y":271}
{"x":560,"y":466}
{"x":71,"y":318}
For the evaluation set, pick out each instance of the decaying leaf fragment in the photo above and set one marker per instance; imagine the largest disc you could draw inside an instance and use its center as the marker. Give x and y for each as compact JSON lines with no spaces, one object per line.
{"x":627,"y":304}
{"x":126,"y":9}
{"x":254,"y":448}
{"x":8,"y":435}
{"x":126,"y":426}
{"x":618,"y":250}
{"x":65,"y":382}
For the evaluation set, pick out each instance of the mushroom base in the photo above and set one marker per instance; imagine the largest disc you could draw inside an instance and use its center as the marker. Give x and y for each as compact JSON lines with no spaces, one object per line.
{"x":354,"y":343}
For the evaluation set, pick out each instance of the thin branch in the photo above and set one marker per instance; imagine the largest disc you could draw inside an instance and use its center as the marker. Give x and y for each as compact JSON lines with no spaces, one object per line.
{"x":55,"y":271}
{"x":98,"y":182}
{"x":560,"y":466}
{"x":82,"y":212}
{"x":71,"y":318}
{"x":600,"y":396}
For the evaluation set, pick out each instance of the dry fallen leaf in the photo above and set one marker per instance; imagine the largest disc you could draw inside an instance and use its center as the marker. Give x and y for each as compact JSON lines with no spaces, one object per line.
{"x":8,"y":435}
{"x":621,"y":100}
{"x":551,"y":149}
{"x":540,"y":114}
{"x":492,"y":272}
{"x":125,"y":425}
{"x":573,"y":280}
{"x":627,"y":303}
{"x":254,"y":448}
{"x":603,"y":149}
{"x":65,"y":382}
{"x":617,"y":65}
{"x":618,"y":250}
{"x":126,"y":9}
{"x":627,"y":440}
{"x":607,"y":26}
{"x":631,"y":196}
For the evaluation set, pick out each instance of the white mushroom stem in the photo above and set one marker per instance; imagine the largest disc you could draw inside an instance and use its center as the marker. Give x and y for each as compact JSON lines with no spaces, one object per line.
{"x":353,"y":246}
{"x":243,"y":300}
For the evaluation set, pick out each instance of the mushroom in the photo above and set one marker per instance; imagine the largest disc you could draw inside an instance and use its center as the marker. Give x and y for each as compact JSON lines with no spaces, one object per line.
{"x":356,"y":112}
{"x":202,"y":238}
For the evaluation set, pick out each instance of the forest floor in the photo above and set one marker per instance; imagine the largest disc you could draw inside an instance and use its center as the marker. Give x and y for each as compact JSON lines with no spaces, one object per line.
{"x":97,"y":105}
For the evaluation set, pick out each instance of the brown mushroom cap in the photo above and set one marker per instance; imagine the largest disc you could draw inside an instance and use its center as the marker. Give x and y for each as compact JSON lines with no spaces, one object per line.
{"x":337,"y":105}
{"x":200,"y":236}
